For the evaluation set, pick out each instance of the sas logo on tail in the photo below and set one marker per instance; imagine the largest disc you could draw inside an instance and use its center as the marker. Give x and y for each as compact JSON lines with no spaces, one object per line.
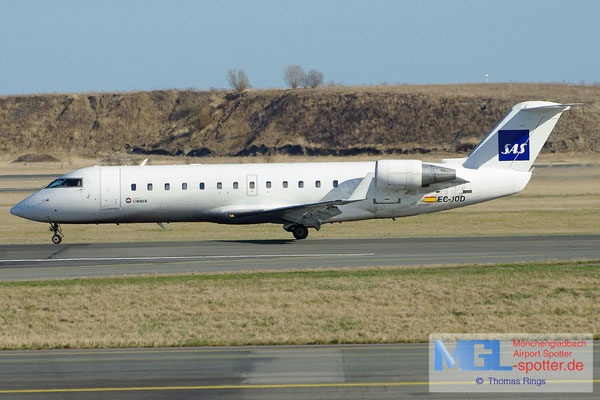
{"x":513,"y":145}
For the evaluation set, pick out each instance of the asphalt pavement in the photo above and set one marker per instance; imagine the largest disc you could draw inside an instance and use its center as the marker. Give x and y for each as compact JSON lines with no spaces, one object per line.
{"x":390,"y":371}
{"x":41,"y":261}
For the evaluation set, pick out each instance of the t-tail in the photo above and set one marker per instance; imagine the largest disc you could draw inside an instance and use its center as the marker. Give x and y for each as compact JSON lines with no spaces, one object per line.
{"x":515,"y":141}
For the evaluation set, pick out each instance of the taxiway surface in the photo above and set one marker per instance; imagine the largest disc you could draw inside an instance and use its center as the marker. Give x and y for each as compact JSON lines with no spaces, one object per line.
{"x":296,"y":372}
{"x":22,"y":262}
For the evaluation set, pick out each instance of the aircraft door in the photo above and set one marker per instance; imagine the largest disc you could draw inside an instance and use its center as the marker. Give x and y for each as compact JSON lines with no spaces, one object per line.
{"x":252,"y":185}
{"x":110,"y":188}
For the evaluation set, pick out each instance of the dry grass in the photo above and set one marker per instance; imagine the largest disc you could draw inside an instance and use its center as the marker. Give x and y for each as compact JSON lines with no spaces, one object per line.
{"x":492,"y":90}
{"x":70,"y":162}
{"x":367,"y":119}
{"x":341,"y":306}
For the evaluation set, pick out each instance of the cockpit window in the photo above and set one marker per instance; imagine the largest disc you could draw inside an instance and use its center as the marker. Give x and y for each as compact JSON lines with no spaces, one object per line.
{"x":65,"y":182}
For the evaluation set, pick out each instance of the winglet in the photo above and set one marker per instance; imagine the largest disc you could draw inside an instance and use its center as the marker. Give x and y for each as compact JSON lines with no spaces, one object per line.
{"x":360,"y":193}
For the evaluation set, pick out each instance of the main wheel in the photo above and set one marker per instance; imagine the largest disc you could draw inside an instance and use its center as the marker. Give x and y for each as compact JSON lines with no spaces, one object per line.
{"x":300,"y":232}
{"x":56,"y":239}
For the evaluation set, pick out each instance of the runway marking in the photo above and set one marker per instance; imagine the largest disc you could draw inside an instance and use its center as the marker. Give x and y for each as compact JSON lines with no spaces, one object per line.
{"x":208,"y":259}
{"x":7,"y":353}
{"x":221,"y":387}
{"x":241,"y":257}
{"x":129,"y":266}
{"x":208,"y":357}
{"x":254,"y":260}
{"x":158,"y":258}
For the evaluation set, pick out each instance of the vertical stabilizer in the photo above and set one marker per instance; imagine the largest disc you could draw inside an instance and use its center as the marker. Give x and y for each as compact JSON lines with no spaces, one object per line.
{"x":517,"y":139}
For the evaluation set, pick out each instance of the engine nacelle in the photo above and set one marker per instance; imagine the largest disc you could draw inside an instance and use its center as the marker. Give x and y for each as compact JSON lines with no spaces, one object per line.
{"x":393,"y":175}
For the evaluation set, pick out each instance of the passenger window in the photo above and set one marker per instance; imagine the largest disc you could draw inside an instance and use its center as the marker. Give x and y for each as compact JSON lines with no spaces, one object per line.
{"x":184,"y":186}
{"x":167,"y":186}
{"x":317,"y":184}
{"x":219,"y":185}
{"x":300,"y":184}
{"x":268,"y":184}
{"x":285,"y":184}
{"x":335,"y":183}
{"x":235,"y":185}
{"x":201,"y":185}
{"x":133,"y":187}
{"x":252,"y":185}
{"x":149,"y":187}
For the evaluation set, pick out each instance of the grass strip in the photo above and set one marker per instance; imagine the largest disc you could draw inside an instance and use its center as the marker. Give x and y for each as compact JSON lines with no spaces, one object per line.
{"x":358,"y":305}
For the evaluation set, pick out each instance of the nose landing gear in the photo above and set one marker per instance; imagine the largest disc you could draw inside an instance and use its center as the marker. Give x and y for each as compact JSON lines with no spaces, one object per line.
{"x":57,"y":233}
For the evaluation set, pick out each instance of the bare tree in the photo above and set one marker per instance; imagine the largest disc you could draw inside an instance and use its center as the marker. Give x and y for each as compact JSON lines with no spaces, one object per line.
{"x":313,"y":79}
{"x":293,"y":75}
{"x":238,"y":80}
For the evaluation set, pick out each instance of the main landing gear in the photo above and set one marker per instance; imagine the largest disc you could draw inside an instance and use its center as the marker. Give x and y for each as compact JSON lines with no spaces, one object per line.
{"x":299,"y":231}
{"x":57,"y":233}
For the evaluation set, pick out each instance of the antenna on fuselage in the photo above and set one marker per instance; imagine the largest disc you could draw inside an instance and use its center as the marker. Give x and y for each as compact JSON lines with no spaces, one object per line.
{"x":144,"y":162}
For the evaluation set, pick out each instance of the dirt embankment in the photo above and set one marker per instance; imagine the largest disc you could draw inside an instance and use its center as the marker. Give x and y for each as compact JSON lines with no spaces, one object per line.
{"x":342,"y":120}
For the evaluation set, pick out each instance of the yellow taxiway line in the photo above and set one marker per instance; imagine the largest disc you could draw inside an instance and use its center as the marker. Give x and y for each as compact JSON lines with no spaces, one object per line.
{"x":222,"y":387}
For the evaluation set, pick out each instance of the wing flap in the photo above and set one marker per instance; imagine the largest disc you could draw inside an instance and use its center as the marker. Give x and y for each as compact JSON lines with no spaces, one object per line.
{"x":312,"y":216}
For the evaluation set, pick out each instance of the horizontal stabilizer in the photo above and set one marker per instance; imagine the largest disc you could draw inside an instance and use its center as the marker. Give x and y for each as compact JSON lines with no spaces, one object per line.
{"x":563,"y":107}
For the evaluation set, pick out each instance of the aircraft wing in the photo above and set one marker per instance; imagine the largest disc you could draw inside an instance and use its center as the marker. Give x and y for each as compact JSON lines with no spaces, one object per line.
{"x":309,"y":215}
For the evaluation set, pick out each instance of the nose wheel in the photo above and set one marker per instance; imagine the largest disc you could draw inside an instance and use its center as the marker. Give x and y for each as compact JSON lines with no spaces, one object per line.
{"x":56,"y":233}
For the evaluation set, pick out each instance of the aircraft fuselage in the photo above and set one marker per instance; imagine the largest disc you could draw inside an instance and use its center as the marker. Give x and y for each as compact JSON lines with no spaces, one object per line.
{"x":221,"y":192}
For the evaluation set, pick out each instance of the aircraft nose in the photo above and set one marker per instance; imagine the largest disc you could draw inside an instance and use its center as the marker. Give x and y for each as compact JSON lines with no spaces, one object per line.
{"x":32,"y":208}
{"x":18,"y":209}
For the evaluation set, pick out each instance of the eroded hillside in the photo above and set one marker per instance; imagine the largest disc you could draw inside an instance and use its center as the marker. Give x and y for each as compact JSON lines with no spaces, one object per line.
{"x":341,"y":120}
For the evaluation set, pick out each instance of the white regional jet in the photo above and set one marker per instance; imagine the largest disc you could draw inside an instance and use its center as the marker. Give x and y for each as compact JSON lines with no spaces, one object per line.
{"x":299,"y":195}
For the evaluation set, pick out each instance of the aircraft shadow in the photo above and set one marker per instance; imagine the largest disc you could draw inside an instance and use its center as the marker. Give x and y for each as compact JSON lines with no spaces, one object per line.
{"x":269,"y":242}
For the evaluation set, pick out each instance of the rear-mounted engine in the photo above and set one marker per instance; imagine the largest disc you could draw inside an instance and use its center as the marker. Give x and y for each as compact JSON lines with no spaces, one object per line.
{"x":393,"y":175}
